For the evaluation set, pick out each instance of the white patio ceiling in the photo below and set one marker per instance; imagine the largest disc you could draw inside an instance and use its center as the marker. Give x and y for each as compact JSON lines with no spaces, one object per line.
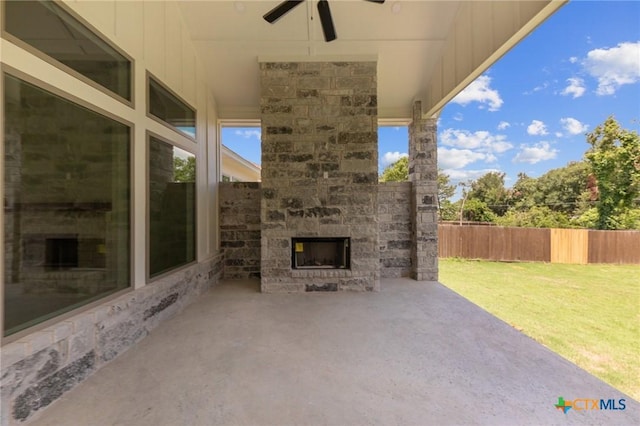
{"x":426,"y":50}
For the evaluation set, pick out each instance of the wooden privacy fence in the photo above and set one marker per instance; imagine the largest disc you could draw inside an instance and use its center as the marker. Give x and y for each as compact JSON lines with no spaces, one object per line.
{"x":539,"y":245}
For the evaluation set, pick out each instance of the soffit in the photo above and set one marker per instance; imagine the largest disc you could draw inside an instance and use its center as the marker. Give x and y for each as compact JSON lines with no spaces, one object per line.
{"x":426,"y":50}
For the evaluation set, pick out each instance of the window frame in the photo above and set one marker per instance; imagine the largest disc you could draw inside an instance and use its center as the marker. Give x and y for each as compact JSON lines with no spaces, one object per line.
{"x":13,"y":72}
{"x":54,"y":62}
{"x":150,"y":76}
{"x":151,"y":279}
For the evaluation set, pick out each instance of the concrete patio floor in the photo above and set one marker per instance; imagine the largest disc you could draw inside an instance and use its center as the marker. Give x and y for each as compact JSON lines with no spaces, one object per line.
{"x":413,"y":354}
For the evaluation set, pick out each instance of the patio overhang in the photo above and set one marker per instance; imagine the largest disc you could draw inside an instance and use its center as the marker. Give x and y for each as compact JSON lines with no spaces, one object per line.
{"x":427,"y":51}
{"x":219,"y":61}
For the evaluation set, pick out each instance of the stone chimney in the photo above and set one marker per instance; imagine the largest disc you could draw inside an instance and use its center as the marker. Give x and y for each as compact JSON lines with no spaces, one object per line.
{"x":319,"y":173}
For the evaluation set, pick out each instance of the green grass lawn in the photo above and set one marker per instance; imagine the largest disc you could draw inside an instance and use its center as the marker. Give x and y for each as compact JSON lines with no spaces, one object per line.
{"x":589,"y":314}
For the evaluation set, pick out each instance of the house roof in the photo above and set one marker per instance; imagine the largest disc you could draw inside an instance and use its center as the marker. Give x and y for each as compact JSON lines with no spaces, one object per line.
{"x":234,"y":156}
{"x":426,"y":50}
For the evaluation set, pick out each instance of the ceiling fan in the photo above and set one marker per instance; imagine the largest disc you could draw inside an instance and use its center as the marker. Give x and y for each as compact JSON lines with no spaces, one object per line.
{"x":323,"y":11}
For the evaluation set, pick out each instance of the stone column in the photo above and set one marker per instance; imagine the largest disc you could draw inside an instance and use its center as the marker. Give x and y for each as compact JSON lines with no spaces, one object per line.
{"x":423,"y":175}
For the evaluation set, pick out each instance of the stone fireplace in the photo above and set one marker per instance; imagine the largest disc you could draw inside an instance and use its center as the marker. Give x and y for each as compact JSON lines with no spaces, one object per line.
{"x":319,"y":175}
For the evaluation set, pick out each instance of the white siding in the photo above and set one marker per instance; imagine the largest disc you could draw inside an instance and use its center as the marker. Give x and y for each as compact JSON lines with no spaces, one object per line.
{"x":155,"y":36}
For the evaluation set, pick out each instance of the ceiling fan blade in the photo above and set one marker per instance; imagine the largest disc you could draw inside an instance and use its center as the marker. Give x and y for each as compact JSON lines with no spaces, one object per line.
{"x":277,"y":12}
{"x":376,"y":1}
{"x":326,"y":20}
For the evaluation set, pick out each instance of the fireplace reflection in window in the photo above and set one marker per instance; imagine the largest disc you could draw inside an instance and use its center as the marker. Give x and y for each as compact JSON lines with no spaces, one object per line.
{"x":320,"y":253}
{"x":61,"y":253}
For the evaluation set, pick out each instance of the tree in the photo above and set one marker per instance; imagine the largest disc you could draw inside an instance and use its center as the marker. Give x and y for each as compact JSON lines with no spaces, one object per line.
{"x":535,"y":217}
{"x":561,"y":189}
{"x":490,"y":189}
{"x":396,"y":172}
{"x":184,"y":170}
{"x":628,"y":219}
{"x":473,"y":209}
{"x":466,"y":186}
{"x":564,"y":190}
{"x":449,"y":211}
{"x":477,"y":211}
{"x":524,"y":192}
{"x":588,"y":219}
{"x":445,"y":191}
{"x":614,"y":158}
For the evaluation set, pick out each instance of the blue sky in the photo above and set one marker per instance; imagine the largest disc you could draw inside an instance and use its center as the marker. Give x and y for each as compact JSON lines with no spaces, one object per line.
{"x":530,"y":111}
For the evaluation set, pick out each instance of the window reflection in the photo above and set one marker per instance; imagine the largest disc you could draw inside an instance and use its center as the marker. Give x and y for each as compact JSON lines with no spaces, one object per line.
{"x":170,"y":109}
{"x":55,"y":32}
{"x":172,"y":213}
{"x":66,"y":205}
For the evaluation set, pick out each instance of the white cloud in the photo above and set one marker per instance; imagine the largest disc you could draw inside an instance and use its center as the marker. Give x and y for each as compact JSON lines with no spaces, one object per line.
{"x":614,"y":67}
{"x":503,"y":125}
{"x":463,"y":175}
{"x":248,"y":133}
{"x":481,"y":140}
{"x":391,"y":157}
{"x":458,"y":117}
{"x":559,"y":134}
{"x":535,"y":153}
{"x":573,"y":126}
{"x":480,"y":91}
{"x":452,"y":158}
{"x":538,"y":128}
{"x":543,"y":86}
{"x":573,"y":59}
{"x":575,"y":88}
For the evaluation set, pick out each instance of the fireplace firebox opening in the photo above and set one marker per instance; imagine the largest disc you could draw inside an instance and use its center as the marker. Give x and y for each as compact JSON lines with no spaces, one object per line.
{"x":321,"y":253}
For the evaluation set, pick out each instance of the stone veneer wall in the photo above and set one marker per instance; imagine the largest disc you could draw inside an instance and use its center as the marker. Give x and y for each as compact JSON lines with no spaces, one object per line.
{"x":240,"y":219}
{"x":319,"y":170}
{"x":240,"y":229}
{"x":394,"y":214}
{"x":39,"y":368}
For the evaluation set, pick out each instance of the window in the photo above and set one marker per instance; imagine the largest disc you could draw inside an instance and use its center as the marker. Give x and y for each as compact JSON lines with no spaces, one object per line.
{"x":66,"y":205}
{"x":172,"y":207}
{"x":49,"y":28}
{"x":241,"y":151}
{"x":167,"y":107}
